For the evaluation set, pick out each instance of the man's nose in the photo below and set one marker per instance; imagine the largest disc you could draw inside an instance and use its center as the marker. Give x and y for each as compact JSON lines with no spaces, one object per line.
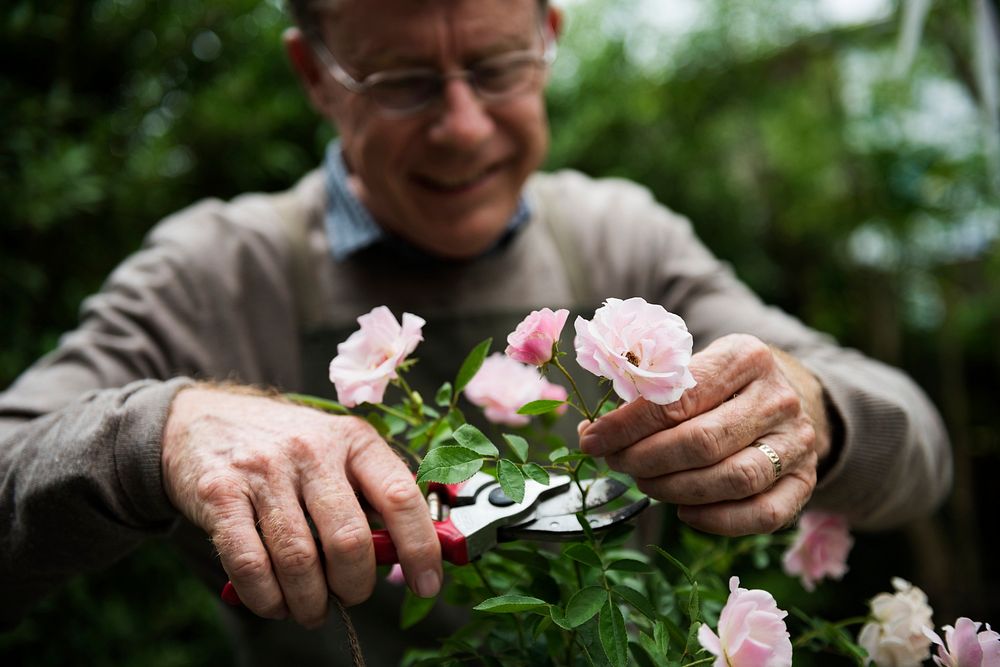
{"x":464,"y":121}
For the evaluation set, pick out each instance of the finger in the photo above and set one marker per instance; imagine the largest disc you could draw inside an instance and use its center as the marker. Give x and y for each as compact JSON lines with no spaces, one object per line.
{"x":293,"y":552}
{"x":245,"y":559}
{"x":744,"y":474}
{"x":390,"y":488}
{"x":345,"y":534}
{"x":709,"y":438}
{"x":763,"y":513}
{"x":722,"y":369}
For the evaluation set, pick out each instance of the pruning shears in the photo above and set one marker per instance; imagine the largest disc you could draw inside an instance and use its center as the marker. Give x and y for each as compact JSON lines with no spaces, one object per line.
{"x":474,"y":516}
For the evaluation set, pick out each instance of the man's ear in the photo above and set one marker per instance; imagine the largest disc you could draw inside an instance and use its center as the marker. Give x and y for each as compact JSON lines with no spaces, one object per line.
{"x":554,"y":21}
{"x":308,"y":68}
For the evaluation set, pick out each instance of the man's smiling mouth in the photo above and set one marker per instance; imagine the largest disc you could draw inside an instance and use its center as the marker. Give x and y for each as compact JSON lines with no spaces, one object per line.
{"x":457,"y":184}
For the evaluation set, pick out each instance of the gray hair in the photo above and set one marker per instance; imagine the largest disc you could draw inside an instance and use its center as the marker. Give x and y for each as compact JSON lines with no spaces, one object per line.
{"x":304,"y":12}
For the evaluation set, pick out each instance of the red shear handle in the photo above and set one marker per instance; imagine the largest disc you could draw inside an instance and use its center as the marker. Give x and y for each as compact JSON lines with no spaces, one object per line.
{"x":453,"y":549}
{"x":453,"y":546}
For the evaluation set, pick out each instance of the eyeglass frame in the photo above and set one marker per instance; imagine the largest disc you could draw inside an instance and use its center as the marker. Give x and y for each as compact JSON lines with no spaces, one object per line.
{"x":341,"y":76}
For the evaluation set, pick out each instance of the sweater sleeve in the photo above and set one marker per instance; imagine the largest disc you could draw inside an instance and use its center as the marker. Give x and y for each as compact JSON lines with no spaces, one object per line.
{"x":80,"y":431}
{"x":894,"y":461}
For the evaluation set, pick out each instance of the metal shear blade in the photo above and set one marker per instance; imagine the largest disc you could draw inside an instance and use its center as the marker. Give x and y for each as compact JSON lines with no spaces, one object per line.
{"x":555,"y":518}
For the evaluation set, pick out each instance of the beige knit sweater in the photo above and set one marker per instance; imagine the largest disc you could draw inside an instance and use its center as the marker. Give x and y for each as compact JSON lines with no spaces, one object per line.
{"x":247,"y":290}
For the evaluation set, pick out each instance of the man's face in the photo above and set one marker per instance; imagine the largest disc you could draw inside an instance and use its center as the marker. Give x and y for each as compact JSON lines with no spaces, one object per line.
{"x":448,"y":178}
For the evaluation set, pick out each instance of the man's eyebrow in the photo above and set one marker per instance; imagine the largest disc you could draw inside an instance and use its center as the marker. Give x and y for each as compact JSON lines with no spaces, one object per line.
{"x":394,"y":58}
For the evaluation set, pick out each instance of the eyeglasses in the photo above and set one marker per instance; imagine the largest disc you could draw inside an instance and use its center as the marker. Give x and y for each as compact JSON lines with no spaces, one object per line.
{"x":407,"y":92}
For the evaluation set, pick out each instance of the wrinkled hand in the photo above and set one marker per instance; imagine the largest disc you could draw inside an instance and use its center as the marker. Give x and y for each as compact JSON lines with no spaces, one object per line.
{"x":234,"y":462}
{"x":697,"y":452}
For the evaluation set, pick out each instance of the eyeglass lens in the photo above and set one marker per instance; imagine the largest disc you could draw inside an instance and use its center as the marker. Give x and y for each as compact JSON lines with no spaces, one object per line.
{"x":493,"y":80}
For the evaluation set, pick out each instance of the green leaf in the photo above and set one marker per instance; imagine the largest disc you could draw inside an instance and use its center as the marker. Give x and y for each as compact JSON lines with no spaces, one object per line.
{"x":630,"y":565}
{"x":511,"y":480}
{"x":583,"y":553}
{"x":442,"y":434}
{"x":469,"y":436}
{"x":557,"y":454}
{"x":613,"y":636}
{"x":692,"y":638}
{"x":518,"y":445}
{"x":581,"y":518}
{"x":443,"y":395}
{"x":543,"y":624}
{"x":676,"y":563}
{"x":694,"y":613}
{"x":376,"y":420}
{"x":558,"y":617}
{"x":455,"y":419}
{"x":510,"y":604}
{"x":694,"y":605}
{"x":449,"y":465}
{"x":471,"y":364}
{"x":396,"y":425}
{"x":637,"y":600}
{"x":651,"y":649}
{"x":536,"y":472}
{"x":318,"y":403}
{"x":418,"y":431}
{"x":661,"y":637}
{"x":563,"y":455}
{"x":539,"y":407}
{"x":414,"y":609}
{"x":583,"y":606}
{"x":606,"y":407}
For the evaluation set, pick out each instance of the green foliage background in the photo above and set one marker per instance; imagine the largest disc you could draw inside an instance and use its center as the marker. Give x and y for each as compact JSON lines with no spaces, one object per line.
{"x":859,"y":201}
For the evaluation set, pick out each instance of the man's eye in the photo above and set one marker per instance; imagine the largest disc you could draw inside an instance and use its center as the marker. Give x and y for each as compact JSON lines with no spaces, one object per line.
{"x":405,"y":90}
{"x":501,"y":76}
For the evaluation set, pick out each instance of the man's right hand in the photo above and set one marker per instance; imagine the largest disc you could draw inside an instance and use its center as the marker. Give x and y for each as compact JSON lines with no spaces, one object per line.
{"x":235,"y":462}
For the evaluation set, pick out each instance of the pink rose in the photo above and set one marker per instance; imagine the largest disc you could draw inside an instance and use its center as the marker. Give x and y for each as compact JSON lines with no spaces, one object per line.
{"x":752,"y":631}
{"x":820,"y":548}
{"x":963,"y":647}
{"x":533,"y":339}
{"x":503,"y":385}
{"x":896,"y":634}
{"x":367,"y":360}
{"x":643,"y":349}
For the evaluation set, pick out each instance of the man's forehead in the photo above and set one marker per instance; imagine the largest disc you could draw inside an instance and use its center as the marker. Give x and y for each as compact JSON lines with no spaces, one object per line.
{"x":370,"y":29}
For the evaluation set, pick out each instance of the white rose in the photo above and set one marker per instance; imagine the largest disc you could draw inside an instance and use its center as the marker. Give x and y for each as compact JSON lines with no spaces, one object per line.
{"x":895,"y":635}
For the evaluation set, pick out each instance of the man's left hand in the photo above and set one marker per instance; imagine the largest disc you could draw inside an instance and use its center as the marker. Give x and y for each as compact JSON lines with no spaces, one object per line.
{"x":701,"y":452}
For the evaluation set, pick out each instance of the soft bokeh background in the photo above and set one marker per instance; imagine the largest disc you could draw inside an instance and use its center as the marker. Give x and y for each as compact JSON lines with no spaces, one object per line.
{"x":842,"y":160}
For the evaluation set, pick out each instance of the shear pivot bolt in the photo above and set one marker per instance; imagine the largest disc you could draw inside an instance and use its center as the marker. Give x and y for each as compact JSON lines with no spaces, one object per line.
{"x":499,"y":499}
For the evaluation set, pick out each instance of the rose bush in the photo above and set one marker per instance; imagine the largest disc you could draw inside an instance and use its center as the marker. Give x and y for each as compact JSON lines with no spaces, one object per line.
{"x":600,"y":601}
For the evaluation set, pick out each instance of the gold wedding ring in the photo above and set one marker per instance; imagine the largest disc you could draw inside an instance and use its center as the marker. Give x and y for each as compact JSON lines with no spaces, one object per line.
{"x":772,"y":457}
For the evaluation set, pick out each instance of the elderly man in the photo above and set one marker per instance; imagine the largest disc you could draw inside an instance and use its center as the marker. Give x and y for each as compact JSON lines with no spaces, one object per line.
{"x":429,"y":203}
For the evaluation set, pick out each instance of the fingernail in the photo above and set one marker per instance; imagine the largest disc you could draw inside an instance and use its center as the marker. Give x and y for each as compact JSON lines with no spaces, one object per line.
{"x":428,"y":583}
{"x":591,"y":444}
